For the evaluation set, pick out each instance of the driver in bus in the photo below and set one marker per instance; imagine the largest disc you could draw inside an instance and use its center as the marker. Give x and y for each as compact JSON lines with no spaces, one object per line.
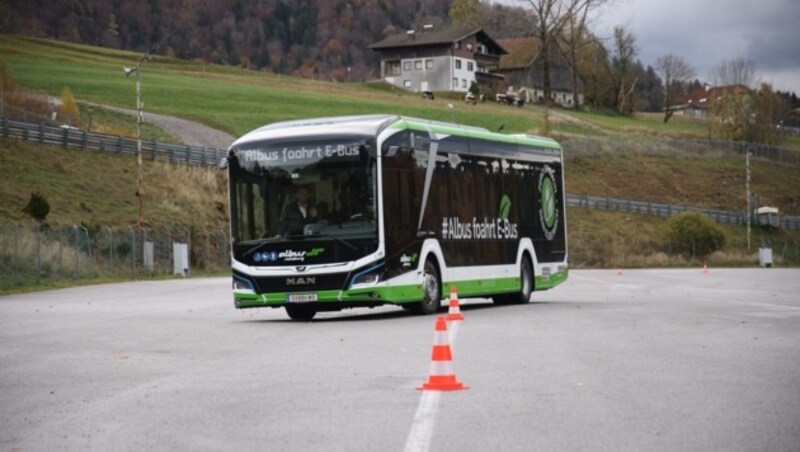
{"x":297,"y":214}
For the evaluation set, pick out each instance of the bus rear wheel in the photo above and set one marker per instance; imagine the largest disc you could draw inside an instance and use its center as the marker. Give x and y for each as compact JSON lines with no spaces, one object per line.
{"x":526,"y":286}
{"x":300,"y":312}
{"x":431,"y":291}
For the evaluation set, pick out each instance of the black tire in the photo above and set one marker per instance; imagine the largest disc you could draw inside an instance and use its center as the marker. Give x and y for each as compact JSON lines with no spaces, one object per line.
{"x":526,"y":288}
{"x":300,"y":312}
{"x":431,"y":291}
{"x":526,"y":278}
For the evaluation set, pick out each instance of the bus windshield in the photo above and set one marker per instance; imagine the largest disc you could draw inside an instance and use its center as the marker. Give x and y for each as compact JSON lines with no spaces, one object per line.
{"x":310,"y":190}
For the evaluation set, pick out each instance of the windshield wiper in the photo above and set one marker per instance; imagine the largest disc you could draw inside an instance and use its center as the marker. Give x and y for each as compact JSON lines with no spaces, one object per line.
{"x":338,"y":239}
{"x":257,"y":247}
{"x":269,"y":240}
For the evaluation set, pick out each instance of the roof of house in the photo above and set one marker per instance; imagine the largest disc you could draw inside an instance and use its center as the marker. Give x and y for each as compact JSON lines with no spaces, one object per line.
{"x":445,"y":36}
{"x":521,"y":52}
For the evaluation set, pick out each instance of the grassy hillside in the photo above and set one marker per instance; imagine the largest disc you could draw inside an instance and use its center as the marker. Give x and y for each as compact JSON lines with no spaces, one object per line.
{"x":91,"y":187}
{"x":98,"y":189}
{"x":237,"y":100}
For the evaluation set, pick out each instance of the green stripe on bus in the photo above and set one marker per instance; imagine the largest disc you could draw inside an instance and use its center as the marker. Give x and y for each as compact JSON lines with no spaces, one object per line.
{"x":478,"y":287}
{"x":401,"y":294}
{"x":545,"y":283}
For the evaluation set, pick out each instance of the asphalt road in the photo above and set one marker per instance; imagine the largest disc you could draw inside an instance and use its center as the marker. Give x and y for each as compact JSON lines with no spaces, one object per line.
{"x":650,"y":360}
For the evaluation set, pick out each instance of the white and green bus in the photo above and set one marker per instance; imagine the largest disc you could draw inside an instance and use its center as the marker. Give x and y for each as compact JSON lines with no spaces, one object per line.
{"x":362,"y":211}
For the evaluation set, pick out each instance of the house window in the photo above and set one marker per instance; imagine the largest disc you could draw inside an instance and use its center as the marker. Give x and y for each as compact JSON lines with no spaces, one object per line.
{"x":393,"y":68}
{"x":428,"y":64}
{"x":463,"y":83}
{"x":458,"y":63}
{"x":418,"y":65}
{"x":406,"y":66}
{"x":469,"y":47}
{"x":455,"y":83}
{"x":407,"y":83}
{"x":470,"y":66}
{"x":457,"y":45}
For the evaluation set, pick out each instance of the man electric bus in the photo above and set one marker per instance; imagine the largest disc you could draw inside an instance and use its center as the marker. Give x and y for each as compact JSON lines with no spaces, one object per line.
{"x":361,"y":211}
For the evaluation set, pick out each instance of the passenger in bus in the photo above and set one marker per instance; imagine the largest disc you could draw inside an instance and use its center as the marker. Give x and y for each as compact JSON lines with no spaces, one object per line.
{"x":297,"y":214}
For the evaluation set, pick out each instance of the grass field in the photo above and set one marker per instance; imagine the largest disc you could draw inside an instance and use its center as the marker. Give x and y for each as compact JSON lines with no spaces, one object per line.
{"x":237,"y":100}
{"x":92,"y":187}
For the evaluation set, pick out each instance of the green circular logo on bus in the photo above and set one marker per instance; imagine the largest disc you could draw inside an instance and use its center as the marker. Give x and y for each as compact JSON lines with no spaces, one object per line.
{"x":548,"y":193}
{"x":548,"y":203}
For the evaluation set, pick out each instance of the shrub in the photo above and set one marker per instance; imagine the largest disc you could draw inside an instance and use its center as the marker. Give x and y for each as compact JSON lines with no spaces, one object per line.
{"x":37,"y":207}
{"x":69,"y":108}
{"x":693,"y":234}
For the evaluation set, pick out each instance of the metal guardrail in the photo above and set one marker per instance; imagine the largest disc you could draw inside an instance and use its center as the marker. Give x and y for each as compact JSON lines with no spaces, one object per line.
{"x":76,"y":138}
{"x":203,"y":156}
{"x":665,"y":210}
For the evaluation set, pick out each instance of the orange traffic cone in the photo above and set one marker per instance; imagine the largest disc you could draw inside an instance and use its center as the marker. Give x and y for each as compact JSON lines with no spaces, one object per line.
{"x":442,"y":377}
{"x":454,"y":313}
{"x":705,"y":268}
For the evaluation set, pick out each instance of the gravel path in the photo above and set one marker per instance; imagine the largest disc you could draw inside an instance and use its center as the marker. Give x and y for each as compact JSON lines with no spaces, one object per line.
{"x":189,"y":132}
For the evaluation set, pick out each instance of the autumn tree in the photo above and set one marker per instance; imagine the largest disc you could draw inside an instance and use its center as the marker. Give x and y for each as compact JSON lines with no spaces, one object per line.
{"x":769,"y":110}
{"x":69,"y":107}
{"x":675,"y":73}
{"x":731,"y":107}
{"x":7,"y":87}
{"x":466,"y":13}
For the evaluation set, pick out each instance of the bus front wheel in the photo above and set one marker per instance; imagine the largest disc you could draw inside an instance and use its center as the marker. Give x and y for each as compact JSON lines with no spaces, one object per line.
{"x":431,"y":291}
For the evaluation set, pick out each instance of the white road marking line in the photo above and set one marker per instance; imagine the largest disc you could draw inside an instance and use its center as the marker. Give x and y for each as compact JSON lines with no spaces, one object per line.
{"x":419,"y":438}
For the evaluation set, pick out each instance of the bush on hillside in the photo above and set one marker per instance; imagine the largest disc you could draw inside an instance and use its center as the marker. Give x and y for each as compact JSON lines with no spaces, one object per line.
{"x":37,"y":207}
{"x":70,"y":114}
{"x":693,"y":234}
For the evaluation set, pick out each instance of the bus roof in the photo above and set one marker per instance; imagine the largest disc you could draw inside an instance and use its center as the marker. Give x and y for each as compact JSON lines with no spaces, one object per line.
{"x":374,"y":124}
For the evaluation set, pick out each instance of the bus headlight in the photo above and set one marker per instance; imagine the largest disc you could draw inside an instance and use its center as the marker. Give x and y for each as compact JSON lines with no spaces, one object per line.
{"x":242,"y":285}
{"x":368,"y":277}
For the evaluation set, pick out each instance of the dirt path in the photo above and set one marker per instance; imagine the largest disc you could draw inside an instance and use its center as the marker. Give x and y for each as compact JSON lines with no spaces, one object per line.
{"x":189,"y":132}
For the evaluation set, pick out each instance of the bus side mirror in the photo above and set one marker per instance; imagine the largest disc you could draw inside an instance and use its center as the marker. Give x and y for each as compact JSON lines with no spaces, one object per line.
{"x":223,"y":163}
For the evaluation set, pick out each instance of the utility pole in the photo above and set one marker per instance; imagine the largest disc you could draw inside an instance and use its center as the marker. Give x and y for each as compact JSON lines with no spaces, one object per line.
{"x":747,"y":187}
{"x":139,"y":122}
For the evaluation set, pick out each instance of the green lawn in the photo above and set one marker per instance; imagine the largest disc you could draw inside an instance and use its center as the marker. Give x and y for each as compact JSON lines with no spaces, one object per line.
{"x":238,"y":100}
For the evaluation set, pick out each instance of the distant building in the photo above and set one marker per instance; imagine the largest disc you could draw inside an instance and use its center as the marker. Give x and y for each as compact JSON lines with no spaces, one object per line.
{"x":441,"y":60}
{"x":698,"y":104}
{"x":522,"y":69}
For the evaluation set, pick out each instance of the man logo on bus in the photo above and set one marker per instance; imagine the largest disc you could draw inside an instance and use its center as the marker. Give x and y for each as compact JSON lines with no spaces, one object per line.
{"x":548,"y":213}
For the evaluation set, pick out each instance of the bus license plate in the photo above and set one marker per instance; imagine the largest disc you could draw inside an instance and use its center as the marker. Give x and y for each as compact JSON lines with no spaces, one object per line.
{"x":301,"y":297}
